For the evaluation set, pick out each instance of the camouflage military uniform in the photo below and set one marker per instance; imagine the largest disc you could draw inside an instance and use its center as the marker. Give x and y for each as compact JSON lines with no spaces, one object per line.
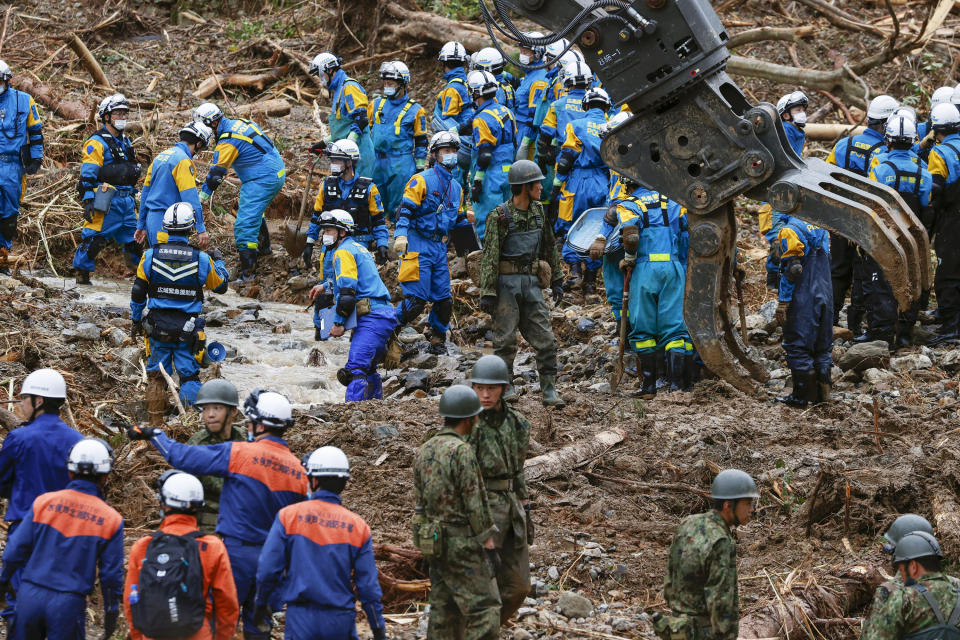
{"x":880,"y":597}
{"x":508,"y":270}
{"x":500,"y":441}
{"x":464,"y":602}
{"x":701,"y":577}
{"x":212,"y":486}
{"x":905,"y":611}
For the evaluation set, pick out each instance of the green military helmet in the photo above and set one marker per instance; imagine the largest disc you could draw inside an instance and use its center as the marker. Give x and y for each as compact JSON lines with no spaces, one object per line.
{"x":459,"y":401}
{"x":732,"y":484}
{"x":916,"y":544}
{"x":218,"y":391}
{"x":490,"y":370}
{"x":524,"y":172}
{"x":907,"y":523}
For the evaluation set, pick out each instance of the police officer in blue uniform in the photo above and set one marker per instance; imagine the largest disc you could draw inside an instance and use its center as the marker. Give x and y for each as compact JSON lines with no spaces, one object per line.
{"x":494,"y":147}
{"x":453,"y":110}
{"x":945,"y":167}
{"x":575,"y":78}
{"x":110,"y":165}
{"x":324,"y":299}
{"x":349,"y":118}
{"x":530,"y":94}
{"x":429,"y":210}
{"x":490,"y":60}
{"x":21,"y":153}
{"x":173,"y":276}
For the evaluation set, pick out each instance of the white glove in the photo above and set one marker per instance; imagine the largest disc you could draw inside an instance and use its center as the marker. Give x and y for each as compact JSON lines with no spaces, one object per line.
{"x":400,"y":245}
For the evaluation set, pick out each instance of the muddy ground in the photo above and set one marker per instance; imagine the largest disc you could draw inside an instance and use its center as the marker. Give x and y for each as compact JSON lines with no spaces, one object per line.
{"x":832,"y":477}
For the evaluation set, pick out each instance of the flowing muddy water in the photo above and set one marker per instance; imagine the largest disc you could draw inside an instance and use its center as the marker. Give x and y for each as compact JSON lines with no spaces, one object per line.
{"x":256,"y":356}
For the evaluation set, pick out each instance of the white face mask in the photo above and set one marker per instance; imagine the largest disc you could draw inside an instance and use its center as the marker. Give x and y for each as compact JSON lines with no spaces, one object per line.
{"x":523,"y":58}
{"x":800,"y":118}
{"x":329,"y":239}
{"x":389,"y":91}
{"x":336,"y":168}
{"x":448,"y":159}
{"x":119,"y":125}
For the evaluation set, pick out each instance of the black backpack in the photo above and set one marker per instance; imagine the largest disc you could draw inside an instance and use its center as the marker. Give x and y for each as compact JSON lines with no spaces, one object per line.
{"x":170,"y":600}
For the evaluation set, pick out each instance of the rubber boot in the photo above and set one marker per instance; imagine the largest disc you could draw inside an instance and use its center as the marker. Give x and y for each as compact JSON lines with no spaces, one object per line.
{"x":548,"y":390}
{"x":574,"y":279}
{"x":676,"y":362}
{"x":83,"y":277}
{"x":648,"y":369}
{"x":691,"y":371}
{"x":263,"y":240}
{"x":872,"y":336}
{"x":949,"y":331}
{"x":855,"y":320}
{"x":438,"y":343}
{"x":590,"y":281}
{"x":156,"y":398}
{"x":663,"y":370}
{"x":773,"y":280}
{"x":824,"y":386}
{"x":248,"y":262}
{"x":510,"y":394}
{"x":903,"y":338}
{"x":803,"y":389}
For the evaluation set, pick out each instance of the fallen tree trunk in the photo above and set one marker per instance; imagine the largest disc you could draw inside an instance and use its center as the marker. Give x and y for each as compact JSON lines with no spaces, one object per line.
{"x":946,"y":521}
{"x":555,"y":463}
{"x":69,"y":109}
{"x":258,"y":81}
{"x":797,"y":607}
{"x":790,"y":34}
{"x":421,"y":26}
{"x":275,"y":107}
{"x":815,"y":131}
{"x":89,"y":62}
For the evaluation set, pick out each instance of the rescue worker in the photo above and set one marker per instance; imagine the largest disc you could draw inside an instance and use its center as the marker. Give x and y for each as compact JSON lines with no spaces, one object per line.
{"x":581,"y":181}
{"x":429,"y":210}
{"x":324,"y":299}
{"x":533,"y":89}
{"x":500,"y":440}
{"x":453,"y":526}
{"x":945,"y":168}
{"x":398,"y":126}
{"x":520,"y":239}
{"x":358,"y":290}
{"x":182,"y":499}
{"x":925,"y":137}
{"x":490,"y":60}
{"x":21,"y":154}
{"x":357,"y":195}
{"x":109,"y":164}
{"x":902,"y":170}
{"x":652,"y":254}
{"x":241,"y":144}
{"x":170,"y":179}
{"x":804,"y":310}
{"x":66,"y":539}
{"x":576,"y":78}
{"x":701,"y":582}
{"x":453,"y":110}
{"x":847,"y":267}
{"x":348,"y":108}
{"x":261,"y":477}
{"x":928,"y":606}
{"x":173,"y":275}
{"x":494,"y":138}
{"x":219,"y":404}
{"x":32,"y":455}
{"x":319,"y":558}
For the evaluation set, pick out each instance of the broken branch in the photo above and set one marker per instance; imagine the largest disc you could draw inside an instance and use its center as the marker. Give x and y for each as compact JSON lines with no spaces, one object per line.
{"x":790,"y":34}
{"x":89,"y":62}
{"x":258,"y":81}
{"x":557,"y":462}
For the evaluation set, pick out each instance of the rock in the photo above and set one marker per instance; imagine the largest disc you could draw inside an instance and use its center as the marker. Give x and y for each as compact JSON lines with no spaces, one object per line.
{"x":622,"y":625}
{"x":409,"y":335}
{"x":911,"y":362}
{"x":950,"y":360}
{"x":553,"y":574}
{"x":755,"y":321}
{"x":423,"y":361}
{"x":876,"y":376}
{"x":116,"y":336}
{"x":842,"y":333}
{"x":865,"y":355}
{"x":522,"y":634}
{"x":83,"y":331}
{"x":573,"y":605}
{"x":250,"y":306}
{"x":769,"y":313}
{"x":600,"y":387}
{"x":523,"y":612}
{"x":458,"y":268}
{"x":419,"y":379}
{"x":216,"y":318}
{"x":386,"y":431}
{"x":299,"y":283}
{"x":447,"y":363}
{"x":586,"y":325}
{"x":129,"y":361}
{"x":780,"y":374}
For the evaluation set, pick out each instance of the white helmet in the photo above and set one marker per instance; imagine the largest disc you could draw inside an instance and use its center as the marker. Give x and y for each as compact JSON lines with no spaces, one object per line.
{"x":46,"y":383}
{"x":538,"y":49}
{"x":5,"y":72}
{"x":955,"y":96}
{"x":200,"y":131}
{"x":344,"y":150}
{"x":900,"y":128}
{"x":598,"y":97}
{"x":945,"y":117}
{"x":571,"y":56}
{"x":323,"y":62}
{"x":395,"y":70}
{"x":577,"y":74}
{"x":615,"y":121}
{"x":207,"y":113}
{"x":327,"y":462}
{"x":488,"y":59}
{"x":554,"y":49}
{"x":338,"y":219}
{"x":179,"y":217}
{"x":882,"y":107}
{"x":941,"y":96}
{"x":444,"y":139}
{"x":453,"y":52}
{"x":791,"y":100}
{"x":180,"y":490}
{"x":90,"y":457}
{"x":268,"y":408}
{"x":112,"y":103}
{"x":904,"y":110}
{"x":482,"y":84}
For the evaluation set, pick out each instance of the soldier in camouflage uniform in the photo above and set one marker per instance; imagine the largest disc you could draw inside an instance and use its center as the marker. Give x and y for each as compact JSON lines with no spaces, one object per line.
{"x":701,"y":582}
{"x":218,"y":400}
{"x":500,"y":441}
{"x":518,"y":235}
{"x":453,"y":527}
{"x":927,"y":604}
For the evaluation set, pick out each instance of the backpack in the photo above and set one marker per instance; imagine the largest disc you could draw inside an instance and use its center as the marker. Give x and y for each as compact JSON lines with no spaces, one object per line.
{"x":170,"y":600}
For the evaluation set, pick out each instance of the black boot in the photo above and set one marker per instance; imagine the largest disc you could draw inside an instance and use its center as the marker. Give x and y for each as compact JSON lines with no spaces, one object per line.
{"x":263,"y":240}
{"x":824,"y":385}
{"x":663,"y":370}
{"x":803,"y":389}
{"x":773,"y":280}
{"x":949,"y":331}
{"x":590,"y":281}
{"x":675,"y":368}
{"x":648,"y":369}
{"x":574,"y":278}
{"x":691,"y":371}
{"x":855,"y":320}
{"x":872,"y":335}
{"x":83,"y":277}
{"x":248,"y":262}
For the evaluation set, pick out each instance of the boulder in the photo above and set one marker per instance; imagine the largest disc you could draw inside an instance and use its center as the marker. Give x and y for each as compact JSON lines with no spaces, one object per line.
{"x":876,"y":376}
{"x":586,"y":325}
{"x":911,"y":362}
{"x":950,"y":360}
{"x":866,"y":355}
{"x":83,"y":331}
{"x":574,"y":605}
{"x":423,"y":360}
{"x":418,"y":379}
{"x":299,"y":283}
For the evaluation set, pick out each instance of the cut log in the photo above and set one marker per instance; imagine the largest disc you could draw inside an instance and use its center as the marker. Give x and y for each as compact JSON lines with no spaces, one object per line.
{"x":421,"y":26}
{"x":946,"y":520}
{"x":816,"y":131}
{"x":555,"y":463}
{"x":797,"y":606}
{"x":69,"y":109}
{"x":275,"y":108}
{"x":89,"y":62}
{"x":258,"y":81}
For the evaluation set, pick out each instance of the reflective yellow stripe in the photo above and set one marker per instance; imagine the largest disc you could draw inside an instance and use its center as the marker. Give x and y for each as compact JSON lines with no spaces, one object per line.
{"x":644,"y":344}
{"x":659,"y":257}
{"x":403,"y":112}
{"x":673,"y":344}
{"x":379,"y":113}
{"x":281,"y":173}
{"x":239,"y":137}
{"x":688,"y":346}
{"x":505,"y":168}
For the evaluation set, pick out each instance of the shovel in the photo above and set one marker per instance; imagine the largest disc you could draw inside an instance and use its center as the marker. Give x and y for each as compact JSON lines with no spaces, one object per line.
{"x":617,"y":372}
{"x":294,"y":239}
{"x":738,"y":287}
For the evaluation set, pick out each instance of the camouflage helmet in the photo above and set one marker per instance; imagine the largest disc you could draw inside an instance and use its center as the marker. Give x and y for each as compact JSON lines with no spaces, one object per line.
{"x":907,"y":523}
{"x":218,"y":391}
{"x":459,"y":401}
{"x":733,"y":484}
{"x":524,"y":172}
{"x":490,"y":369}
{"x":916,"y":544}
